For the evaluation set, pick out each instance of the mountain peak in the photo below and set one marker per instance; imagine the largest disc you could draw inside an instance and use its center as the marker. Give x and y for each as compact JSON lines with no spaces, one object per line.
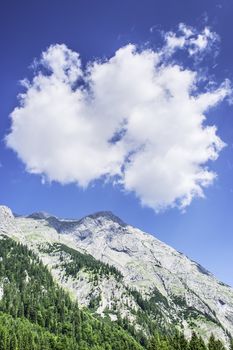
{"x":107,"y":215}
{"x":40,"y":215}
{"x":5,"y":212}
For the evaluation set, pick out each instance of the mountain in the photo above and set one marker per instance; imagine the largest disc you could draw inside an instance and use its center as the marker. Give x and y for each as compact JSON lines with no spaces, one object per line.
{"x":121,"y":273}
{"x":36,"y":314}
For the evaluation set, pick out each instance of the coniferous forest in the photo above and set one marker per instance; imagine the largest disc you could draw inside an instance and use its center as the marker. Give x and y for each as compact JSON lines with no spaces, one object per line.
{"x":36,"y":314}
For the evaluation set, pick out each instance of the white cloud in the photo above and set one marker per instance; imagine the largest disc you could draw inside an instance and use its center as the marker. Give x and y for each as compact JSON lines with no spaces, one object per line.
{"x":131,"y":119}
{"x":196,"y":43}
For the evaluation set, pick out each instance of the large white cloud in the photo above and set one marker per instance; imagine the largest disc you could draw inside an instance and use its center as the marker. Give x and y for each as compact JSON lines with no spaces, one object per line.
{"x":132,"y":119}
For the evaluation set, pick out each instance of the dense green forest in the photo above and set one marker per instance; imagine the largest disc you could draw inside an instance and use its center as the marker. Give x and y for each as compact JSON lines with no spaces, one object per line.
{"x":29,"y":293}
{"x":79,"y":261}
{"x":36,"y":314}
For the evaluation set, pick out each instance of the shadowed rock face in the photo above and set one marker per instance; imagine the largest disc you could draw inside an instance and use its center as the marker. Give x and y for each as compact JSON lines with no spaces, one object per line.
{"x":41,"y":215}
{"x":192,"y":298}
{"x":107,"y":215}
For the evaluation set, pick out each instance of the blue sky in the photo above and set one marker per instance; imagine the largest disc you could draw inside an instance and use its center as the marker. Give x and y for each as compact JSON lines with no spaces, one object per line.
{"x":96,"y":30}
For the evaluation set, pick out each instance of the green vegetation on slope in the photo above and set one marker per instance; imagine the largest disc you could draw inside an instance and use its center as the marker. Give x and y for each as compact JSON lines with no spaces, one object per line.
{"x":178,"y":342}
{"x":29,"y":292}
{"x":79,"y":261}
{"x":36,"y":314}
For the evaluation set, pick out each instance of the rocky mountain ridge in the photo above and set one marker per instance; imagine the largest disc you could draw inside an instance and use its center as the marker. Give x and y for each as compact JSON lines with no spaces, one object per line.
{"x":177,"y":289}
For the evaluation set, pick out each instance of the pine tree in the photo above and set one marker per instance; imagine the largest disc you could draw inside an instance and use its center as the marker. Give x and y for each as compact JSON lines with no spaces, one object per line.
{"x":215,"y":344}
{"x":194,"y":342}
{"x":154,"y":343}
{"x":202,"y":345}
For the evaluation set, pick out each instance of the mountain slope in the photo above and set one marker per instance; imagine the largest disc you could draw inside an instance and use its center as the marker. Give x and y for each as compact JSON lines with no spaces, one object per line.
{"x":41,"y":314}
{"x":170,"y":285}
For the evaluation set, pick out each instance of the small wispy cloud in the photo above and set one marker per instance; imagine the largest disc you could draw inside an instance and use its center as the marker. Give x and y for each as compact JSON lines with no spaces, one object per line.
{"x":194,"y":42}
{"x":153,"y":28}
{"x":135,"y":119}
